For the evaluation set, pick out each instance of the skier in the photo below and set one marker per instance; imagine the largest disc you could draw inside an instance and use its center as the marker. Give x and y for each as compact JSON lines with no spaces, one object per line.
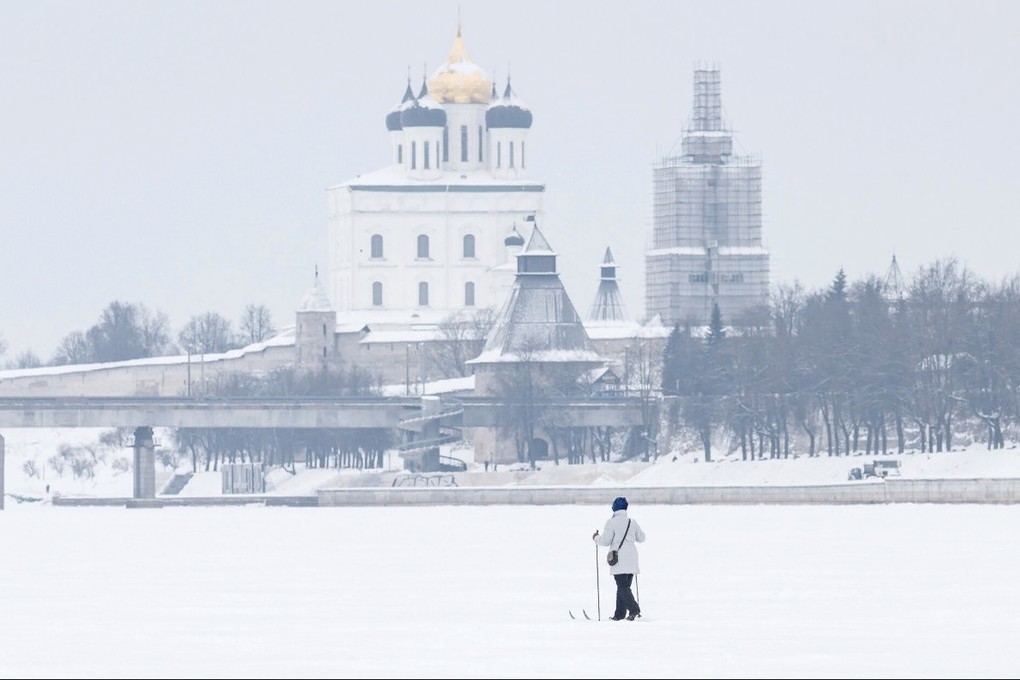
{"x":620,"y":534}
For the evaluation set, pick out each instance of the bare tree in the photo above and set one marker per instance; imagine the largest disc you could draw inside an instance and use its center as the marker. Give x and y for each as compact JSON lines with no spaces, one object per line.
{"x":207,"y":333}
{"x":943,"y":302}
{"x":461,"y":337}
{"x":644,"y":376}
{"x":26,"y":359}
{"x":73,"y":349}
{"x":256,"y":323}
{"x":155,"y":332}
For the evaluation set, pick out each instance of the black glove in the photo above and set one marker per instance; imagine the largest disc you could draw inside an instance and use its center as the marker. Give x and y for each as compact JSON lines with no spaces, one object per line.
{"x":595,"y":535}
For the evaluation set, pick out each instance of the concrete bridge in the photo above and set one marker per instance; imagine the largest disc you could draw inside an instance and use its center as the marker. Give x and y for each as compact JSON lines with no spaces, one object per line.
{"x":208,"y":412}
{"x":409,"y":413}
{"x":299,"y":412}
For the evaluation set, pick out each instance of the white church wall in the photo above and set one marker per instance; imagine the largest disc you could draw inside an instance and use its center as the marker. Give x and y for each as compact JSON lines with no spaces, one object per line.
{"x":400,"y":217}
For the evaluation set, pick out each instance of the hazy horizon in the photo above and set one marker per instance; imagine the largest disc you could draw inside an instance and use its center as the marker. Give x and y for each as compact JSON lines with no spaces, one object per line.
{"x":178,"y":154}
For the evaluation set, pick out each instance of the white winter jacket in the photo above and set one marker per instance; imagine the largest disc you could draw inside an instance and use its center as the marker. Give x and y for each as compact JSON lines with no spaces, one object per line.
{"x":610,"y":537}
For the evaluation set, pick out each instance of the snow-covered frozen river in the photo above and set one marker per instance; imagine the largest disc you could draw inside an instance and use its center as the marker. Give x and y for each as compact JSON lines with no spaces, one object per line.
{"x":752,"y":591}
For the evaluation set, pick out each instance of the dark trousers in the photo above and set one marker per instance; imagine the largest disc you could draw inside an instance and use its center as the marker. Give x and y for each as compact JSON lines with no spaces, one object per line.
{"x":625,"y":601}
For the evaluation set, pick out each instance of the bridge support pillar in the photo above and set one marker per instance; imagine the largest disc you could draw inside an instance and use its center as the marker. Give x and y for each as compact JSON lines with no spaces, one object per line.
{"x":144,"y":464}
{"x":1,"y":472}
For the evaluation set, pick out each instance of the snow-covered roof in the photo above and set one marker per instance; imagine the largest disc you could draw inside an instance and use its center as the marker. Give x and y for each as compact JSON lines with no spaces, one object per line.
{"x":445,"y":386}
{"x":537,"y":244}
{"x":721,"y":250}
{"x":537,"y":322}
{"x":540,"y":357}
{"x":707,"y":133}
{"x":393,"y":117}
{"x":508,"y":111}
{"x":316,"y":299}
{"x":282,"y":339}
{"x":612,"y":330}
{"x":392,"y":319}
{"x":397,"y":175}
{"x":742,"y":250}
{"x":401,"y":336}
{"x":678,"y":250}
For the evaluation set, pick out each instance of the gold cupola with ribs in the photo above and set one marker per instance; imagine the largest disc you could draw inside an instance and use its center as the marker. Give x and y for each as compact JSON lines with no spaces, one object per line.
{"x":459,"y":80}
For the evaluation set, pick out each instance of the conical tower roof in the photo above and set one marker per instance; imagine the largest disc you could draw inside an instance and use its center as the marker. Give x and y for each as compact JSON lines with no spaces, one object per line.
{"x":608,"y":303}
{"x":893,"y":282}
{"x":316,"y":299}
{"x":538,"y":322}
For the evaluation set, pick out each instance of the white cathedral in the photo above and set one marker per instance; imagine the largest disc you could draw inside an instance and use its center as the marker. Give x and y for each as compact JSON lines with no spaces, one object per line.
{"x":437,"y":230}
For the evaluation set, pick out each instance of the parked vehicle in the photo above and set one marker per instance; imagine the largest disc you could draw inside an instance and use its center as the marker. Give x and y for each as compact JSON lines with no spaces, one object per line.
{"x":877,"y":468}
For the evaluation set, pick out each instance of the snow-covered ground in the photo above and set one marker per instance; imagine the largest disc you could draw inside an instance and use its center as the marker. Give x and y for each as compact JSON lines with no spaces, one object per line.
{"x":452,"y":591}
{"x":727,"y":591}
{"x":34,"y":449}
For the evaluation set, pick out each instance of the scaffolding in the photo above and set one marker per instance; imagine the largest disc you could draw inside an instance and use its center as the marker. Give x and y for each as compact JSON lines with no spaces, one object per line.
{"x":706,"y":245}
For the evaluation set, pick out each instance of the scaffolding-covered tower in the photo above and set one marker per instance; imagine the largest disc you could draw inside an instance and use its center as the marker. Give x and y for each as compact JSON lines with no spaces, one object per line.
{"x":706,"y":234}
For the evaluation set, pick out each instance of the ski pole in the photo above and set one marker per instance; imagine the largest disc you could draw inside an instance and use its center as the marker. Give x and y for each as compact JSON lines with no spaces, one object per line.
{"x":598,"y":589}
{"x":637,"y":589}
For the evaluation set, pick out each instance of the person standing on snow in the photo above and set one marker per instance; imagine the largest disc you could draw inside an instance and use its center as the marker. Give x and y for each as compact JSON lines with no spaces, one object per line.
{"x":622,"y":534}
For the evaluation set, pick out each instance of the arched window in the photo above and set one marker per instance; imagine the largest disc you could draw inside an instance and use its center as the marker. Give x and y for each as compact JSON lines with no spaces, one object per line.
{"x":400,"y":153}
{"x":376,"y":294}
{"x":499,"y":154}
{"x":522,"y":156}
{"x":446,"y":144}
{"x":511,"y":155}
{"x":414,"y":155}
{"x":423,"y":294}
{"x":423,"y":247}
{"x":426,"y":156}
{"x":377,"y":251}
{"x":469,"y":246}
{"x":463,"y":144}
{"x":469,"y":294}
{"x":481,"y":139}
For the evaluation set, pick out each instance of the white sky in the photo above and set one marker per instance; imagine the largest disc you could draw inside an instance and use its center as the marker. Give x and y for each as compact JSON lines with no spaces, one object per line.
{"x":177,"y":154}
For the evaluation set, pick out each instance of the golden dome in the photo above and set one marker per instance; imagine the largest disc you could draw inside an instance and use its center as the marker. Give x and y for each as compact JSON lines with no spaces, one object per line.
{"x":459,"y":80}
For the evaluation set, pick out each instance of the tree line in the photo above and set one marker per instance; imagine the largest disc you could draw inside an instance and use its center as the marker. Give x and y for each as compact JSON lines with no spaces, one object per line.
{"x":126,"y":330}
{"x":360,"y":448}
{"x":855,"y":366}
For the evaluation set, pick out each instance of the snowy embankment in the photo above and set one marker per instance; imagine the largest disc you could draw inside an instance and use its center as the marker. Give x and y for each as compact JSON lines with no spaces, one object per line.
{"x":75,"y":461}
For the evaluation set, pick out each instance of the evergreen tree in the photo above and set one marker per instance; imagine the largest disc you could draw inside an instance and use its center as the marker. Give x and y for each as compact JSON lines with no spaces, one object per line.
{"x":837,"y":291}
{"x":671,"y":361}
{"x":716,"y":332}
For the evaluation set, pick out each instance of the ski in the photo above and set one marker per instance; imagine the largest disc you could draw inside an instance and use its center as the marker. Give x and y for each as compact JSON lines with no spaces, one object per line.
{"x":586,"y":615}
{"x":583,"y":611}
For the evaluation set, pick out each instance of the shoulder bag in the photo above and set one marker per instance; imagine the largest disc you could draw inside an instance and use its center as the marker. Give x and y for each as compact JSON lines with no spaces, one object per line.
{"x":613,"y":556}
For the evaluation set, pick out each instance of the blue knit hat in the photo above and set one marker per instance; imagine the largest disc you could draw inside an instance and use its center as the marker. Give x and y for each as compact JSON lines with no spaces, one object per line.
{"x":620,"y":504}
